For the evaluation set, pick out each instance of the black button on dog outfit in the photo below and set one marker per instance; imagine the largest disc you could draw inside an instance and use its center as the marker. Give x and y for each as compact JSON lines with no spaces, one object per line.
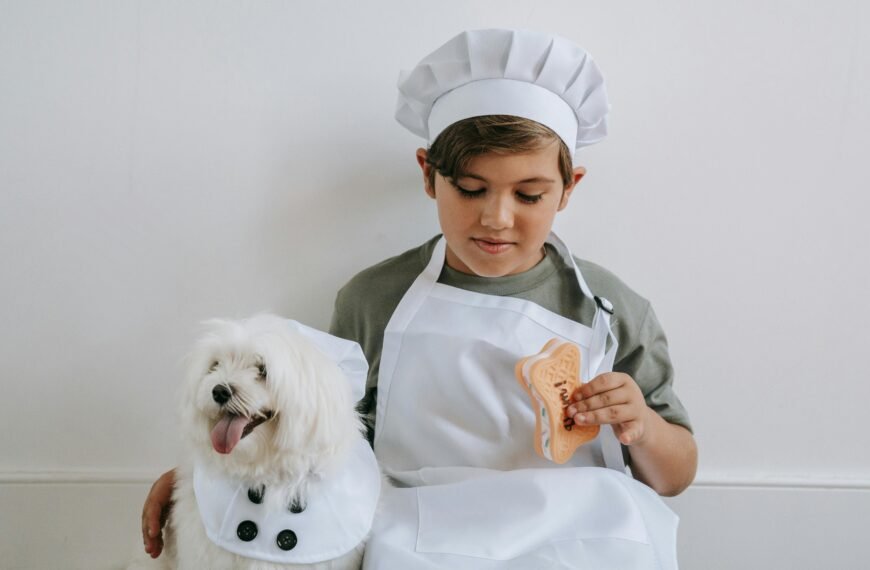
{"x":286,"y":539}
{"x":247,"y":530}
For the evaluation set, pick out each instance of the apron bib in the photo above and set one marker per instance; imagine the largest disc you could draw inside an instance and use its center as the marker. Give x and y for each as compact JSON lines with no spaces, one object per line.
{"x":456,"y":429}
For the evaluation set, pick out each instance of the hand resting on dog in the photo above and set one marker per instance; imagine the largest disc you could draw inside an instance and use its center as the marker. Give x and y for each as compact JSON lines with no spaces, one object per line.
{"x":155,"y":513}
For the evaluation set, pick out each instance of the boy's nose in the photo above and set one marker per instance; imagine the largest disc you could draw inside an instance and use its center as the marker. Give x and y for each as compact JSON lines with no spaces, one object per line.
{"x":497,"y":213}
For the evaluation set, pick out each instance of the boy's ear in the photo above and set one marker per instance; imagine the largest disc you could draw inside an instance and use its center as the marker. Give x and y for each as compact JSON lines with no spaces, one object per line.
{"x":579,"y":173}
{"x":427,"y":169}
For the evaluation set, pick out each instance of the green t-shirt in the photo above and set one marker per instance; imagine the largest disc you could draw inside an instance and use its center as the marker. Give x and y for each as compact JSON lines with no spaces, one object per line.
{"x":365,"y":304}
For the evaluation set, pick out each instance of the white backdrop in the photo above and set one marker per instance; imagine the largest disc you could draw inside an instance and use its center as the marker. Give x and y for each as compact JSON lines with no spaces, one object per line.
{"x":165,"y":162}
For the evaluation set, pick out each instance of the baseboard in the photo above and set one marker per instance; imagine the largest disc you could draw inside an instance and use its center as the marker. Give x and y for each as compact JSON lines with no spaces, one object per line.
{"x":74,"y":477}
{"x":727,"y":481}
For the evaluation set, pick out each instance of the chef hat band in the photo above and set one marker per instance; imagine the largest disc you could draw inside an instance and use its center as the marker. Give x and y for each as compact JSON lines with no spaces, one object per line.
{"x":537,"y":76}
{"x":504,"y":97}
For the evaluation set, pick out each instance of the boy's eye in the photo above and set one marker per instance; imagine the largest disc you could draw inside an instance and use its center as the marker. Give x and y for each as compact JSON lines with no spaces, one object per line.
{"x":465,"y":193}
{"x":529,"y":198}
{"x":521,"y":196}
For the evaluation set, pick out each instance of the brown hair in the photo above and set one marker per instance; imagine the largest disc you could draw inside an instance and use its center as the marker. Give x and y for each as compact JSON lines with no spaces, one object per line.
{"x":454,"y":148}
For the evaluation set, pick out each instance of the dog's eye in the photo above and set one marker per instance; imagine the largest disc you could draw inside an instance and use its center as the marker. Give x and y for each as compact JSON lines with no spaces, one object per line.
{"x":213,"y":366}
{"x":262,"y":371}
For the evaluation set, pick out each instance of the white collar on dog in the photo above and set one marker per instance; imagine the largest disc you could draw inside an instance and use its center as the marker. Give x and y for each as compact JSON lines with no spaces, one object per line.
{"x":337,"y":516}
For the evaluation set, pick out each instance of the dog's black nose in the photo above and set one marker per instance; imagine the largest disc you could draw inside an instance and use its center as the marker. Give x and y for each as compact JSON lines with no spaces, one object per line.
{"x":221,"y":394}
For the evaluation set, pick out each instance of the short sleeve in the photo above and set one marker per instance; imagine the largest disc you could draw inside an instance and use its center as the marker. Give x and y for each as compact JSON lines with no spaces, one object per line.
{"x":341,"y":324}
{"x":347,"y":324}
{"x":646,"y":359}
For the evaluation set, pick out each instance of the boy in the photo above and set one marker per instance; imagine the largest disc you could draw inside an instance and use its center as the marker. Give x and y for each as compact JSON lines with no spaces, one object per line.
{"x":499,"y":227}
{"x":442,"y":325}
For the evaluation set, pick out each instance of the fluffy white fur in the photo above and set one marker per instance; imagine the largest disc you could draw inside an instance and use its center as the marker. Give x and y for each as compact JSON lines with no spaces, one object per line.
{"x":311,"y":425}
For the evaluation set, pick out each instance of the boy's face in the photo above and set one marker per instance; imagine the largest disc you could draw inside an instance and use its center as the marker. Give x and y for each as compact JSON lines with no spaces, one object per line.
{"x":497,"y":216}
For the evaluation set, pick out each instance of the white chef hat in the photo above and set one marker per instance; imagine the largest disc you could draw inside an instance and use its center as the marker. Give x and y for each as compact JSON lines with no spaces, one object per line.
{"x":527,"y":74}
{"x":347,"y":354}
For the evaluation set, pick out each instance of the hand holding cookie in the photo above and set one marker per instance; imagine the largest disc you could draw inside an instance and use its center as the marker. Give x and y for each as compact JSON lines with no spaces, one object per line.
{"x":612,"y":398}
{"x":550,"y":378}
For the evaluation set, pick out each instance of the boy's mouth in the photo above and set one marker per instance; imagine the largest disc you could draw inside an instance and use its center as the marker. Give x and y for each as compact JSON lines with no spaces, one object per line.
{"x":492,"y":246}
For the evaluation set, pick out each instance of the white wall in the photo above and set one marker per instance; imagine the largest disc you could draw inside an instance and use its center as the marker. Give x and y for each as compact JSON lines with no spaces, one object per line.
{"x":164,"y":162}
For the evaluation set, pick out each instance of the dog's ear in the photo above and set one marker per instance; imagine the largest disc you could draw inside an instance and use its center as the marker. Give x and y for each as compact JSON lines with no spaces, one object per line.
{"x":314,"y":398}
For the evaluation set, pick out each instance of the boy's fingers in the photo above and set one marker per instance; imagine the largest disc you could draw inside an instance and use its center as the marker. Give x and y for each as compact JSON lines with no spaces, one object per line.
{"x":153,"y":519}
{"x":598,"y":401}
{"x":609,"y":415}
{"x":601,"y":383}
{"x":154,"y":545}
{"x":156,"y":549}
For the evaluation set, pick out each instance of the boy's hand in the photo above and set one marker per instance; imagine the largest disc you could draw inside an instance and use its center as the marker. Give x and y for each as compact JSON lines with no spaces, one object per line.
{"x":612,"y":398}
{"x":663,"y":455}
{"x":156,"y":511}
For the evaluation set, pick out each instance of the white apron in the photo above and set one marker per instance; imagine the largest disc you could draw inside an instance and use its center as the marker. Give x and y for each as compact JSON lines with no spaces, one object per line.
{"x":455,"y":427}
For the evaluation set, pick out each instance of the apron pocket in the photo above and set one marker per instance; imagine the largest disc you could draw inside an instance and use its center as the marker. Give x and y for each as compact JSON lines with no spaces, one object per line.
{"x":510,"y":514}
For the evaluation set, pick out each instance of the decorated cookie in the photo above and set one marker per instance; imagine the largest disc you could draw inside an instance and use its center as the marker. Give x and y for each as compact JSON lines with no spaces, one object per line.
{"x":550,"y":379}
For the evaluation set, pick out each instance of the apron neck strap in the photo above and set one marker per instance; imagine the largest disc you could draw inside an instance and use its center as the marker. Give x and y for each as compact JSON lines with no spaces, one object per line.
{"x":602,"y":332}
{"x":563,"y":250}
{"x":436,"y":262}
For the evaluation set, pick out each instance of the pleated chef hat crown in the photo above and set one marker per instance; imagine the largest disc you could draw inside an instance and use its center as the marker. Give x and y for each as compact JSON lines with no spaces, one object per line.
{"x":537,"y":76}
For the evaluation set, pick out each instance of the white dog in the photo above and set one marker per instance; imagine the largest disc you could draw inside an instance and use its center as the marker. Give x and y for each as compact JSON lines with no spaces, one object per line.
{"x":277,"y":473}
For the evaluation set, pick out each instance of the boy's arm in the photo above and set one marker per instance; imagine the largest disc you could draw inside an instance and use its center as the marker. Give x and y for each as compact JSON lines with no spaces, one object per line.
{"x":667,"y":457}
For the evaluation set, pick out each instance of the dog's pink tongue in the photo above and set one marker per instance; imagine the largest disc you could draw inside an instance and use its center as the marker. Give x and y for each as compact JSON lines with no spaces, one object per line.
{"x":227,"y":433}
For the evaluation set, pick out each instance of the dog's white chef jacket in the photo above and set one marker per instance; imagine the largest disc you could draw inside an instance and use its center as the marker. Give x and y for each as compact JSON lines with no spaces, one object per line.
{"x":336,"y":518}
{"x":455,"y":427}
{"x":340,"y":507}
